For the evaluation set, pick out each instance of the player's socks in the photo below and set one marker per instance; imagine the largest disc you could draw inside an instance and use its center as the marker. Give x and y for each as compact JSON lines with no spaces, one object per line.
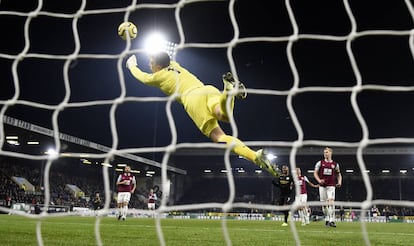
{"x":331,"y":212}
{"x":120,"y":213}
{"x":125,"y":211}
{"x":223,"y":102}
{"x":302,"y":216}
{"x":239,"y":147}
{"x":325,"y":213}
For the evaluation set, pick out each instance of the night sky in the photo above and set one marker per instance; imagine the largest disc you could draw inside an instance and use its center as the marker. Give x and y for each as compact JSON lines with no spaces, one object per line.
{"x":263,"y":66}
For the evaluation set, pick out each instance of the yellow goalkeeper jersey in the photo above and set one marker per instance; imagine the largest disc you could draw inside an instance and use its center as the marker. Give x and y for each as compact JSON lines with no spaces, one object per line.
{"x":199,"y":100}
{"x":173,"y":78}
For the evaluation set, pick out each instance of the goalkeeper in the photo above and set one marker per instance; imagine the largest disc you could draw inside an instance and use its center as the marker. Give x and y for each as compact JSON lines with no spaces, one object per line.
{"x":205,"y":104}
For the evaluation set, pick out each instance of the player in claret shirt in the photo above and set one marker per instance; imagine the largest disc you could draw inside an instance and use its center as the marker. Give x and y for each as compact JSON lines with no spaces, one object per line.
{"x":302,"y":197}
{"x":152,"y":197}
{"x":126,"y":186}
{"x":328,"y":174}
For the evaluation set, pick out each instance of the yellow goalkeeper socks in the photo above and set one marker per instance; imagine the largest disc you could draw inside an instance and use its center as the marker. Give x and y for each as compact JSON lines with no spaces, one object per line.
{"x":223,"y":101}
{"x":239,"y":147}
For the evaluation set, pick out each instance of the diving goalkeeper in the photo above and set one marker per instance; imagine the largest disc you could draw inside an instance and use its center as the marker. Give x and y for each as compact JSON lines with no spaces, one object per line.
{"x":205,"y":104}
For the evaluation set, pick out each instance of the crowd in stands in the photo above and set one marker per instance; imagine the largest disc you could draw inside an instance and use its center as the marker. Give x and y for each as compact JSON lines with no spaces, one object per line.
{"x":89,"y":179}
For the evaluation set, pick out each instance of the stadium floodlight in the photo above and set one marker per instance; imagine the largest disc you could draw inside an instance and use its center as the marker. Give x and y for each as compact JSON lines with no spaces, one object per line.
{"x":52,"y":153}
{"x":86,"y":161}
{"x":271,"y":156}
{"x":151,"y":172}
{"x":106,"y":164}
{"x":13,"y":140}
{"x":156,"y":42}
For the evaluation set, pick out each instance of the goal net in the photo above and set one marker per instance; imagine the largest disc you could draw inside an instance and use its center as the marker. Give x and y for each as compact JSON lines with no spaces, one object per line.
{"x":318,"y":73}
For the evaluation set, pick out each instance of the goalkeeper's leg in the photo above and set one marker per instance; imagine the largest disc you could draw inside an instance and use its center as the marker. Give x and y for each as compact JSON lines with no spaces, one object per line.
{"x":229,"y":84}
{"x":221,"y":110}
{"x":239,"y":147}
{"x":258,"y":158}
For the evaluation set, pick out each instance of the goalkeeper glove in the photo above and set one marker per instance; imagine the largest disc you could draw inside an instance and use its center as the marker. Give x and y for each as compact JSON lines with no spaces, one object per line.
{"x":132,"y":61}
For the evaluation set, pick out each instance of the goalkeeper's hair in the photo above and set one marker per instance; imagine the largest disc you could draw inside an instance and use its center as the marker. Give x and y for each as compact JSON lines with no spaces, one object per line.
{"x":162,"y":59}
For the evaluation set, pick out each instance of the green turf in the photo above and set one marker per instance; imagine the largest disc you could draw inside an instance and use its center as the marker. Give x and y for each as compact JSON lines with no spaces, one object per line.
{"x":74,"y":230}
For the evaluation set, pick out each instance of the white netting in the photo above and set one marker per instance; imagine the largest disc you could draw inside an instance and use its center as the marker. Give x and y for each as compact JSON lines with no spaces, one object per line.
{"x":88,"y":24}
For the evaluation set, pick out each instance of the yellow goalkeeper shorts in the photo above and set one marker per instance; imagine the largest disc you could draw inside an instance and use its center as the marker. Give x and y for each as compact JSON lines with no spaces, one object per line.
{"x":199,"y":104}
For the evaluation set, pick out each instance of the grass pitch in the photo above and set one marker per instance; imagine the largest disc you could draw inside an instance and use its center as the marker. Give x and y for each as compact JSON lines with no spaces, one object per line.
{"x":75,"y":230}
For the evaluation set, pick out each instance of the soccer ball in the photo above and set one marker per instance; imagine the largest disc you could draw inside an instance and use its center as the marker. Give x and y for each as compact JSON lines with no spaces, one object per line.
{"x":126,"y":28}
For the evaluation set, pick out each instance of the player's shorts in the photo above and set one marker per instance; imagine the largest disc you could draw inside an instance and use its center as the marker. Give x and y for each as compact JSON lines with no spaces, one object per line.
{"x":326,"y":193}
{"x":199,"y":104}
{"x":302,"y":198}
{"x":124,"y":197}
{"x":151,"y":206}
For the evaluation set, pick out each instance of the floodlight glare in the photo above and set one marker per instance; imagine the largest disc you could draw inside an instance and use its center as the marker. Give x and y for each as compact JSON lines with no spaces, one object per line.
{"x":52,"y":153}
{"x":155,"y":43}
{"x":271,"y":156}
